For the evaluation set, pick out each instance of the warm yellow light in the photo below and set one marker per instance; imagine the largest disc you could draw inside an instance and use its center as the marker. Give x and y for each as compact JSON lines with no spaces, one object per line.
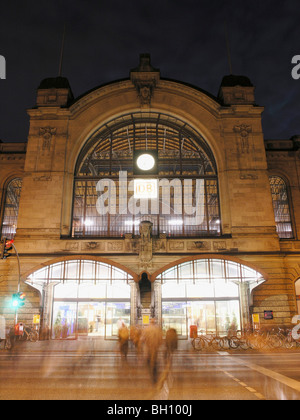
{"x":145,"y":162}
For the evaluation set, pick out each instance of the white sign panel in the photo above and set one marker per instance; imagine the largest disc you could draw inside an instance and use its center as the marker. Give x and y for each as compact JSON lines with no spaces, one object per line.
{"x":145,"y":188}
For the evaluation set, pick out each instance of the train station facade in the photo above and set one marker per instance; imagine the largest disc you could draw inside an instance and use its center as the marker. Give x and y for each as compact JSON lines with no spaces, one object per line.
{"x":149,"y":198}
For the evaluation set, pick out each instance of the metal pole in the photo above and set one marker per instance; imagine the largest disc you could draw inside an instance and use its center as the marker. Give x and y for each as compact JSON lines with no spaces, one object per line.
{"x":19,"y":281}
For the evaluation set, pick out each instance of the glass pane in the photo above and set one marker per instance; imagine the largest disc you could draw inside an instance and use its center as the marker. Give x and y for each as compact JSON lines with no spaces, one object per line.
{"x":88,"y":270}
{"x":11,"y":208}
{"x":116,"y":313}
{"x":201,"y":269}
{"x":228,"y":317}
{"x":66,"y":290}
{"x":64,"y":320}
{"x":217,"y":269}
{"x":40,"y":274}
{"x":118,"y":290}
{"x":72,"y":269}
{"x":226,"y":289}
{"x":91,"y":319}
{"x":174,"y":316}
{"x":281,"y":207}
{"x":170,"y":274}
{"x":232,"y":270}
{"x":202,"y":314}
{"x":185,"y":271}
{"x":56,"y":271}
{"x":103,"y":272}
{"x":200,"y":290}
{"x":170,"y":290}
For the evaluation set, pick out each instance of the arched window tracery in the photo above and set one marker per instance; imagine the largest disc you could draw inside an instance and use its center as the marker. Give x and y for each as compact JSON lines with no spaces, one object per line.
{"x":11,"y":208}
{"x":187,"y":202}
{"x":281,"y":207}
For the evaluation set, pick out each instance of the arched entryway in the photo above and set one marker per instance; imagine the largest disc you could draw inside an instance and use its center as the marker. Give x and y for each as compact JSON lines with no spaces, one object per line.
{"x":83,"y":297}
{"x":212,"y":293}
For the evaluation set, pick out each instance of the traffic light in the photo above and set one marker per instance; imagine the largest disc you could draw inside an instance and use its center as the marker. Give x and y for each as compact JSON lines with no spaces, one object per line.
{"x":18,"y":299}
{"x":6,"y":246}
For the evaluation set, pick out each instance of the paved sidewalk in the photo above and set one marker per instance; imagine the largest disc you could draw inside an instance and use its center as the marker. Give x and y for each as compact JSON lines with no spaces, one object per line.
{"x":80,"y":345}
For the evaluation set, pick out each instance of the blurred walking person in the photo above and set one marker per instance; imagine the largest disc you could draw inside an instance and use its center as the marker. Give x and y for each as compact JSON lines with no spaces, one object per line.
{"x":171,"y":343}
{"x":123,"y":335}
{"x":153,"y":341}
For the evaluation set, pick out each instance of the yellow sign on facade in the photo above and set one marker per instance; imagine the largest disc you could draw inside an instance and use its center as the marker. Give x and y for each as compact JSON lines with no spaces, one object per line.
{"x":36,"y":319}
{"x":255,"y":318}
{"x":146,"y":319}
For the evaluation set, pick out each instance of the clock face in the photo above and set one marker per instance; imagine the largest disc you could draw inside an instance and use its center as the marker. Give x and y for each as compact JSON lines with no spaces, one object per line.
{"x":145,"y":162}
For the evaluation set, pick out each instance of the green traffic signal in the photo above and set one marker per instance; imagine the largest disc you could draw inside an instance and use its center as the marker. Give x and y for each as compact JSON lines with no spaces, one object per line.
{"x":18,"y":300}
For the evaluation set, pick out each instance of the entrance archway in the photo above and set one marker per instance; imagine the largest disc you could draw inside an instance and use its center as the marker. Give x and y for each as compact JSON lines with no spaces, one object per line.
{"x":212,"y":293}
{"x":83,"y":297}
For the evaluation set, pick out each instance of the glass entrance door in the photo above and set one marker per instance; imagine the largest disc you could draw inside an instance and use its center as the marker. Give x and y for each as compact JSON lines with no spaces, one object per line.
{"x":217,"y":317}
{"x":174,"y":315}
{"x":91,"y":319}
{"x":64,"y":320}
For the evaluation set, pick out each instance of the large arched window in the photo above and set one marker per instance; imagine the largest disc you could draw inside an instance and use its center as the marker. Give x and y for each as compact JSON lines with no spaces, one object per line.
{"x":11,"y":208}
{"x":281,"y":207}
{"x":186,"y":201}
{"x":210,"y":293}
{"x":83,"y":297}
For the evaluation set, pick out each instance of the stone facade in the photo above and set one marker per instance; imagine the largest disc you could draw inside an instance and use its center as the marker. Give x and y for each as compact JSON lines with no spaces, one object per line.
{"x":230,"y":123}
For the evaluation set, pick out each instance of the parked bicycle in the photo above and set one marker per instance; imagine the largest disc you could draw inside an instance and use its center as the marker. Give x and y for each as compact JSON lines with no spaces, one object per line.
{"x":274,"y":338}
{"x":29,"y":334}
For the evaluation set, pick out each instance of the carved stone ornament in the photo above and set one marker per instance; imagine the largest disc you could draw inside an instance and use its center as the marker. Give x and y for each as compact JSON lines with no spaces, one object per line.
{"x":145,"y":78}
{"x":146,"y":251}
{"x":243,"y":131}
{"x":145,"y":91}
{"x":47,"y":133}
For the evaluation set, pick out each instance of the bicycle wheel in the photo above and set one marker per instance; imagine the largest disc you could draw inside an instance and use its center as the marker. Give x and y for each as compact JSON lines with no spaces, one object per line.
{"x":199,"y":344}
{"x":225,"y":343}
{"x":289,"y":342}
{"x":33,"y":336}
{"x":274,"y":341}
{"x":234,"y":343}
{"x":216,"y":343}
{"x":244,"y":344}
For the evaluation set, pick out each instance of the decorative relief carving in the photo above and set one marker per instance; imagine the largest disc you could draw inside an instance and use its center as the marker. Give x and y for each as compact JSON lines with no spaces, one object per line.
{"x":145,"y":78}
{"x":243,"y":132}
{"x":115,"y":246}
{"x":219,"y":245}
{"x":248,"y":176}
{"x":200,"y":245}
{"x":176,"y":246}
{"x":43,"y":178}
{"x":72,"y":246}
{"x":146,"y":252}
{"x":47,"y":133}
{"x":93,"y":246}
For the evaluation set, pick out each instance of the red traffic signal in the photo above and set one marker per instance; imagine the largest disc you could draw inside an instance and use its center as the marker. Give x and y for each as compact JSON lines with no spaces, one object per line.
{"x":6,"y":246}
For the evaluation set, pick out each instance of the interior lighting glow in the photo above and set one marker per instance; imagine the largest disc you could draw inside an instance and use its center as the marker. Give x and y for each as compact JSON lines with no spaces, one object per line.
{"x":176,"y":222}
{"x":145,"y":162}
{"x":88,"y":222}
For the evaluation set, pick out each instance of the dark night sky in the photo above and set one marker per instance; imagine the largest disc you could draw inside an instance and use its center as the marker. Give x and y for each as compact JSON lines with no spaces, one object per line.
{"x":186,"y":40}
